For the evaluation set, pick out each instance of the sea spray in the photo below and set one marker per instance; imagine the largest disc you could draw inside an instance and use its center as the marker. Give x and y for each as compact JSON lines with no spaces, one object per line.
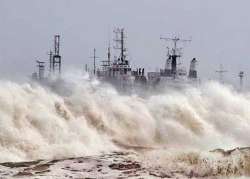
{"x":86,"y":117}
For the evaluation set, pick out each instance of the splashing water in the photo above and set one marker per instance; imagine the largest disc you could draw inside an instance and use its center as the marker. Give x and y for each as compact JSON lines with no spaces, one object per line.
{"x":37,"y":122}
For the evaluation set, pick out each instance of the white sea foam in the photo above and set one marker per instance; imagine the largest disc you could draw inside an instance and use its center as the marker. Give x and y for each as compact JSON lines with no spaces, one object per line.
{"x":86,"y":117}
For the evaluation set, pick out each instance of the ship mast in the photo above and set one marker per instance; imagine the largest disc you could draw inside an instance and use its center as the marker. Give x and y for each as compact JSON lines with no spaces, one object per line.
{"x":109,"y":55}
{"x":120,"y":43}
{"x":174,"y":53}
{"x":94,"y":57}
{"x":57,"y":59}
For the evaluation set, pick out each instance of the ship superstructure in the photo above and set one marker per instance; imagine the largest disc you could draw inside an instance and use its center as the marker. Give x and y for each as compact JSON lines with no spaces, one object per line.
{"x":173,"y":74}
{"x":119,"y":71}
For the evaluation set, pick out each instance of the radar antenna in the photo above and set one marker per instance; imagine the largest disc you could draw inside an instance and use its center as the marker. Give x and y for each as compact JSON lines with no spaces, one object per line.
{"x":174,"y":53}
{"x":175,"y":41}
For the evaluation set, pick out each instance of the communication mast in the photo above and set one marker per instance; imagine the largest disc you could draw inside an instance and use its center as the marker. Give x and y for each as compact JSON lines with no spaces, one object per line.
{"x":56,"y":62}
{"x":41,"y":68}
{"x":94,"y":60}
{"x":241,"y":75}
{"x":221,"y":71}
{"x":174,"y":53}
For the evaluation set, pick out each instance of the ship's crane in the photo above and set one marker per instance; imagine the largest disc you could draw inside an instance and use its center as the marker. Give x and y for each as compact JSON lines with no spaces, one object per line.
{"x":57,"y":59}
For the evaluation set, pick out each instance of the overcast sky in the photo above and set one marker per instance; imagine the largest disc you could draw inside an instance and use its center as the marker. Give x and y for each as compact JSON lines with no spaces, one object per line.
{"x":220,"y":31}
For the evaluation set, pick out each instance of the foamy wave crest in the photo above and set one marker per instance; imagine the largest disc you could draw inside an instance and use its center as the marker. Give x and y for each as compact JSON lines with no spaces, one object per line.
{"x":85,"y":117}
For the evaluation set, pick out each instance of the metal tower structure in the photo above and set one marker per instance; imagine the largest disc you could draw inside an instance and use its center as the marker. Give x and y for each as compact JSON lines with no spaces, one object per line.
{"x":107,"y":63}
{"x":41,"y":68}
{"x":57,"y":59}
{"x":241,"y":75}
{"x":175,"y":52}
{"x":120,"y":43}
{"x":221,"y":71}
{"x":94,"y":57}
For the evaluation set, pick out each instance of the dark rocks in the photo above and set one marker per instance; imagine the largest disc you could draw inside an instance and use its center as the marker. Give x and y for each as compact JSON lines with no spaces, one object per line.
{"x":222,"y":163}
{"x":23,"y":173}
{"x":127,"y":166}
{"x":20,"y":164}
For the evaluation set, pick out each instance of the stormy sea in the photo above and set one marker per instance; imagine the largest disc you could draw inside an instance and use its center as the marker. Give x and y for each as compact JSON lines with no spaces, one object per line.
{"x":82,"y":128}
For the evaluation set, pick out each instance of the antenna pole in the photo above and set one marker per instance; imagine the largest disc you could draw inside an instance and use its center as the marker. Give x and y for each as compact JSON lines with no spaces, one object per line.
{"x":122,"y":44}
{"x":221,"y":71}
{"x":109,"y":55}
{"x":94,"y":60}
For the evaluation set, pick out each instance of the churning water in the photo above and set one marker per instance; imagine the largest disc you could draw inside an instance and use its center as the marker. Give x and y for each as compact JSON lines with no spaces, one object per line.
{"x":86,"y":117}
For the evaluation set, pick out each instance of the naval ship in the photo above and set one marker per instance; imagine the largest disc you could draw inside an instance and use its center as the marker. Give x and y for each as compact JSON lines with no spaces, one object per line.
{"x":121,"y":75}
{"x":119,"y":72}
{"x":173,"y":74}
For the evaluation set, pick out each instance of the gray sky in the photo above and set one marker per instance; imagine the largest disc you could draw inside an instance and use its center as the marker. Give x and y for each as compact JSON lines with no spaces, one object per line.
{"x":220,"y":31}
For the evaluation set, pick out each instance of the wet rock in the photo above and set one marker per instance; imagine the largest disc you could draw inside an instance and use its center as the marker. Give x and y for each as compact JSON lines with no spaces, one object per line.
{"x":23,"y":173}
{"x":20,"y":164}
{"x":127,"y":166}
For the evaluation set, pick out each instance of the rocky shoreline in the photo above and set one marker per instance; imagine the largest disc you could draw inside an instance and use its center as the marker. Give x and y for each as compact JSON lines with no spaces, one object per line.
{"x":222,"y":164}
